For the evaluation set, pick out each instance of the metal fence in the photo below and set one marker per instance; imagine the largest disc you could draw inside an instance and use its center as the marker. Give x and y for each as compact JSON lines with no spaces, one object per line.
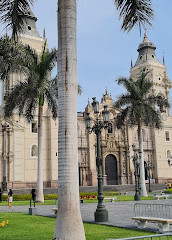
{"x":153,"y":210}
{"x":165,"y":236}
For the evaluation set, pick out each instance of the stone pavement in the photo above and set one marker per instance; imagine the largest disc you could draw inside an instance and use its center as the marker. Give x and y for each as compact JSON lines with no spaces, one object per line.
{"x":120,"y":213}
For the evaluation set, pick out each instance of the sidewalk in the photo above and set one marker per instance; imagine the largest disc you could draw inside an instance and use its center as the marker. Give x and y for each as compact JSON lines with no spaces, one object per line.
{"x":120,"y":213}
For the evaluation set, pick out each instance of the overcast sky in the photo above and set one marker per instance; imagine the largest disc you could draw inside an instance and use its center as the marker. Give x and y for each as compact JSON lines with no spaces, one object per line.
{"x":104,"y":52}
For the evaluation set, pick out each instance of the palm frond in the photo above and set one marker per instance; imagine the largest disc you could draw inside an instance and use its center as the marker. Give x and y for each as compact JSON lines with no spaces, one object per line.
{"x":121,"y":118}
{"x":79,"y":89}
{"x":19,"y":98}
{"x":12,"y":14}
{"x":52,"y":103}
{"x":138,"y":103}
{"x":134,"y":12}
{"x":15,"y":57}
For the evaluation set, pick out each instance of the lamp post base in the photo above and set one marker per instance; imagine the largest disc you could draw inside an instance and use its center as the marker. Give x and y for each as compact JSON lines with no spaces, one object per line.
{"x":101,"y":215}
{"x":136,"y":197}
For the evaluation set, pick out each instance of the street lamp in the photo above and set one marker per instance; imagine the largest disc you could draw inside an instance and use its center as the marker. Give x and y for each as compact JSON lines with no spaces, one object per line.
{"x":101,"y":214}
{"x":4,"y":183}
{"x":136,"y":172}
{"x":149,"y":167}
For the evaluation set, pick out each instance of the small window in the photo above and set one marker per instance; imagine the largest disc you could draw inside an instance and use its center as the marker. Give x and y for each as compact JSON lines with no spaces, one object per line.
{"x":110,"y":128}
{"x":159,"y":78}
{"x":167,"y":136}
{"x":152,"y":56}
{"x":29,"y":27}
{"x":34,"y":127}
{"x":34,"y":151}
{"x":168,"y":154}
{"x":140,"y":57}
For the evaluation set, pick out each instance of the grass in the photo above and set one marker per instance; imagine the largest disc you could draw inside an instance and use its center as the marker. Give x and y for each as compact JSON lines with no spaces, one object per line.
{"x":26,"y":227}
{"x":53,"y":201}
{"x":27,"y":202}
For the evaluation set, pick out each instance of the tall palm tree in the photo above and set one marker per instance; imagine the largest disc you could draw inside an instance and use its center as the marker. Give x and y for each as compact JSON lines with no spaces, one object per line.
{"x":29,"y":95}
{"x":138,"y":107}
{"x":68,"y":222}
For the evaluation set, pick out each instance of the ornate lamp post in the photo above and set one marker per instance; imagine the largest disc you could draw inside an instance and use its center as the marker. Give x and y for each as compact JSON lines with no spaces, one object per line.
{"x":4,"y":183}
{"x":149,"y":167}
{"x":136,"y":173}
{"x":101,"y":214}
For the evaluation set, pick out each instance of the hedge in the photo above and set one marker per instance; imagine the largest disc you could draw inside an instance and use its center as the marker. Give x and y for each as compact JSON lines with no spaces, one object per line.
{"x":25,"y":197}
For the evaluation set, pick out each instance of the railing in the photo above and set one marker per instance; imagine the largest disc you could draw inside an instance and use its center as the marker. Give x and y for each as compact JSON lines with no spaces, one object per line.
{"x":153,"y":210}
{"x":165,"y":236}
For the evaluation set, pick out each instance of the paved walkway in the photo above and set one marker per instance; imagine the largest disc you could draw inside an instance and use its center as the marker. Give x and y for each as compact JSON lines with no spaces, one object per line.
{"x":120,"y":213}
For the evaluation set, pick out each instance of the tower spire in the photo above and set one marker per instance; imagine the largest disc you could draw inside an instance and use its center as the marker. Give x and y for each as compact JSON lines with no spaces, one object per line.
{"x":44,"y":34}
{"x":163,"y":60}
{"x":131,"y":63}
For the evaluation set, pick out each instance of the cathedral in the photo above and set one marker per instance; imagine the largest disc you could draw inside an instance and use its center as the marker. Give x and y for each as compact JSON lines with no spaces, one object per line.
{"x":18,"y":139}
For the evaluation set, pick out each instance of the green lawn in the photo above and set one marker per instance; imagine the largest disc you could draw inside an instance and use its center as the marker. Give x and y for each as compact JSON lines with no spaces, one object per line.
{"x":26,"y":227}
{"x":27,"y":202}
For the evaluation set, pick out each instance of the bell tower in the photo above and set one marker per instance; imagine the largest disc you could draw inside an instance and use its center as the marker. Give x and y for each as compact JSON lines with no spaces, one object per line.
{"x":156,"y":142}
{"x":156,"y":71}
{"x":28,"y":36}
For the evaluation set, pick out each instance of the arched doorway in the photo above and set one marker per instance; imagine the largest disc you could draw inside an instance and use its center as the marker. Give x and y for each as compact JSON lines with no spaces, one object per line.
{"x":111,"y":170}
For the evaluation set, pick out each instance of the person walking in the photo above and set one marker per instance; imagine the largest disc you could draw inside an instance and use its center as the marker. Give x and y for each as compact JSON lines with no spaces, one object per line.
{"x":10,"y":199}
{"x":33,"y":193}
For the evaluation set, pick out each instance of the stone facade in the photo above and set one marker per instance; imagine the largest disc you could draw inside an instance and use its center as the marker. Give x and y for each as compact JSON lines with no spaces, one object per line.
{"x":18,"y":139}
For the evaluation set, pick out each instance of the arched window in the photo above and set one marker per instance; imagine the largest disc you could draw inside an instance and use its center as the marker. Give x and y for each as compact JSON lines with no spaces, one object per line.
{"x":110,"y":129}
{"x":34,"y":151}
{"x":144,"y":134}
{"x":161,"y":108}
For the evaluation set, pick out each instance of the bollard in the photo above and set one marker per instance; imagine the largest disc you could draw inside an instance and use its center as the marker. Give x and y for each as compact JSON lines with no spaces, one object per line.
{"x":32,"y":210}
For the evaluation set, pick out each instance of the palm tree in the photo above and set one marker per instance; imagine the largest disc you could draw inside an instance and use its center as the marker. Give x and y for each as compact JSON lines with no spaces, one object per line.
{"x":29,"y":95}
{"x":68,"y":221}
{"x":139,"y":107}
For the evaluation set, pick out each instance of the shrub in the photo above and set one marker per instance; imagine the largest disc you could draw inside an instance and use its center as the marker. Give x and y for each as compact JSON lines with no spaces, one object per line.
{"x":85,"y":195}
{"x":50,"y":196}
{"x":169,"y":191}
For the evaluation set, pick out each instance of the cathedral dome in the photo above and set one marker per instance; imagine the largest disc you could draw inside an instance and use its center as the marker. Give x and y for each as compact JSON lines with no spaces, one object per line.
{"x":146,"y":51}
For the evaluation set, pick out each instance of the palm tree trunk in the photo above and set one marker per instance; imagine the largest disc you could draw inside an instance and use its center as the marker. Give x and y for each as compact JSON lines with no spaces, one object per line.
{"x":40,"y":195}
{"x":141,"y":160}
{"x":68,"y":223}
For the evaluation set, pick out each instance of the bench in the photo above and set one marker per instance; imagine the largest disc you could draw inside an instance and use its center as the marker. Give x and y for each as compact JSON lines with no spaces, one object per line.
{"x":113,"y":199}
{"x":55,"y":210}
{"x":156,"y":213}
{"x":163,"y":196}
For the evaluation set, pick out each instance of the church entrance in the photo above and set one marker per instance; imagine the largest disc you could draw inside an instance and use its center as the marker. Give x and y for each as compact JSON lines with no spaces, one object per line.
{"x":111,"y":170}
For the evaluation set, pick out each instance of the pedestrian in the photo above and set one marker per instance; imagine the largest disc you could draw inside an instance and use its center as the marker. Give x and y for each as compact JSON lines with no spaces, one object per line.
{"x":169,"y":185}
{"x":10,"y":199}
{"x":166,"y":185}
{"x":33,"y":193}
{"x":0,"y":195}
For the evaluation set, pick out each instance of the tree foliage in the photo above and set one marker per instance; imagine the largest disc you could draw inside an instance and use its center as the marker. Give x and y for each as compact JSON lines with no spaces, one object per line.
{"x":35,"y":85}
{"x":138,"y":102}
{"x":134,"y":12}
{"x":13,"y":13}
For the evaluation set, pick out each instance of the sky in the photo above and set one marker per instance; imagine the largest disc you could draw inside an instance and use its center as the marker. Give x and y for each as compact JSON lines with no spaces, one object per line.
{"x":104,"y":51}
